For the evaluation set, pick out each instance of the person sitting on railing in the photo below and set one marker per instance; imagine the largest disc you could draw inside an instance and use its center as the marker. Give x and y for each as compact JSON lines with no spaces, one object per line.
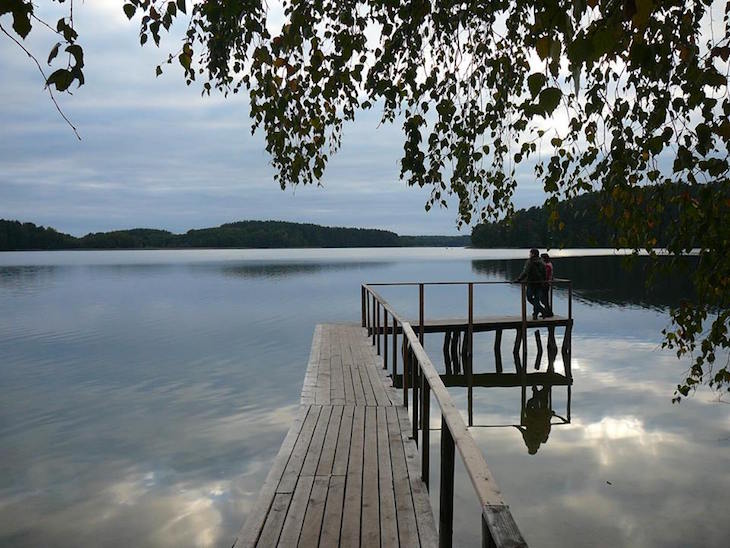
{"x":534,"y":273}
{"x":546,"y":288}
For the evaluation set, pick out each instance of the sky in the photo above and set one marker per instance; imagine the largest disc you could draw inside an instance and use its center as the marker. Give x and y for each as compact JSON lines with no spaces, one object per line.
{"x":154,"y":153}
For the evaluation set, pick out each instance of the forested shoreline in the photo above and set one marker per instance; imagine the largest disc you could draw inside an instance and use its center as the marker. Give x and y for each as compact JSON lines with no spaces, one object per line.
{"x":18,"y":236}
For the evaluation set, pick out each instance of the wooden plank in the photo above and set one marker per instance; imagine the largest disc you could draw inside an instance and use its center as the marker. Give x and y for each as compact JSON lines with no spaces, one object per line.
{"x":346,"y":359}
{"x":299,"y":452}
{"x":421,"y":504}
{"x":295,"y":516}
{"x":405,"y":514}
{"x":388,"y":523}
{"x":275,"y":520}
{"x":311,"y":461}
{"x":353,"y":487}
{"x":315,"y":512}
{"x":360,"y":358}
{"x":324,"y":373}
{"x":310,"y":378}
{"x":367,"y":386}
{"x":249,"y":533}
{"x":337,"y":387}
{"x":349,"y":361}
{"x":370,"y":500}
{"x":327,"y":458}
{"x":342,"y":453}
{"x":332,"y":523}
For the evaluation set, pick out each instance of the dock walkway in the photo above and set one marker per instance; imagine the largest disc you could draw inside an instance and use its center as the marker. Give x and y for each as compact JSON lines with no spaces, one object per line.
{"x":347,"y":473}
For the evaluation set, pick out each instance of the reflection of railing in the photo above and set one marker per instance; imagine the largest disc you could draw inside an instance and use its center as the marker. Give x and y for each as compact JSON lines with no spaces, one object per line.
{"x":498,"y":526}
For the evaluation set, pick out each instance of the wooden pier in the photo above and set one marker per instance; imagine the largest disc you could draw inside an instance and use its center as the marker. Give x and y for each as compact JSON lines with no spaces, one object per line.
{"x":349,"y":472}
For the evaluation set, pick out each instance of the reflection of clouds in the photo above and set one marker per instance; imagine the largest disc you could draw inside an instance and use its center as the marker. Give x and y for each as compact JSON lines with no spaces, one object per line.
{"x":126,"y":512}
{"x":619,"y":428}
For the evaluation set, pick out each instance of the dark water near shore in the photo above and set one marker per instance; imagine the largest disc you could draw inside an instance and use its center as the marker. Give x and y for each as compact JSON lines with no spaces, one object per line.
{"x":143,"y":396}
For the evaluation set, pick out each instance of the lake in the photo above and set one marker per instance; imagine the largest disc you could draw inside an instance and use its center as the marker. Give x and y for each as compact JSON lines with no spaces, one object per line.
{"x":144,"y":394}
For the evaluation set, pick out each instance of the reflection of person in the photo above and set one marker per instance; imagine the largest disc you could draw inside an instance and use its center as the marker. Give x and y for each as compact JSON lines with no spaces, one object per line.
{"x":535,"y":427}
{"x":546,"y":288}
{"x":534,"y":273}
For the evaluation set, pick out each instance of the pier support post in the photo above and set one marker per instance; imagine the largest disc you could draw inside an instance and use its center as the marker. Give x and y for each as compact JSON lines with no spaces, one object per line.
{"x":498,"y":350}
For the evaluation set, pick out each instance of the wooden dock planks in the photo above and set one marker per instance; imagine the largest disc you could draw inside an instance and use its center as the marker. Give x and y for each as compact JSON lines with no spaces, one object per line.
{"x":342,"y":476}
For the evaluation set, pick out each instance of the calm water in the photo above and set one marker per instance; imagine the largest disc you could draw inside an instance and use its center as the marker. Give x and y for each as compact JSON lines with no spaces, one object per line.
{"x":143,"y":395}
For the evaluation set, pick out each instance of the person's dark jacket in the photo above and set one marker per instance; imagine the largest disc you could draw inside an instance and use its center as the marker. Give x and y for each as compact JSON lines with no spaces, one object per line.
{"x":533,"y":272}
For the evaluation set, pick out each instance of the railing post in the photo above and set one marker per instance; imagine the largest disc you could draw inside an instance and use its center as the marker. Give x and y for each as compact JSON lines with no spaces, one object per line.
{"x":552,"y":284}
{"x":425,"y":430}
{"x":469,"y":357}
{"x":406,"y":369}
{"x":385,"y":338}
{"x":446,"y":503}
{"x":524,"y":327}
{"x":367,"y":311}
{"x":395,"y":348}
{"x":570,"y":300}
{"x":420,"y":314}
{"x":372,"y":323}
{"x":377,"y":324}
{"x":415,"y":402}
{"x":362,"y":303}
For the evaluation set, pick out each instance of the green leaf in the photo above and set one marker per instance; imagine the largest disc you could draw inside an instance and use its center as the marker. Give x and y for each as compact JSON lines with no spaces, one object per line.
{"x":181,"y":6}
{"x":535,"y":83}
{"x":543,"y":47}
{"x":21,"y":16}
{"x":549,"y":100}
{"x":77,"y":53}
{"x":158,"y":70}
{"x":61,"y":79}
{"x":129,"y":10}
{"x":54,"y":52}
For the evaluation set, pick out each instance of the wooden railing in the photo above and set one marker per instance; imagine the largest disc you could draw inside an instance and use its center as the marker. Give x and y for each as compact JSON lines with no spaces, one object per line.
{"x":498,"y":526}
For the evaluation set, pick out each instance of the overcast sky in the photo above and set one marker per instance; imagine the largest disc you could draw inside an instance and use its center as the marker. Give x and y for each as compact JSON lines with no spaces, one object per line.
{"x":154,"y":153}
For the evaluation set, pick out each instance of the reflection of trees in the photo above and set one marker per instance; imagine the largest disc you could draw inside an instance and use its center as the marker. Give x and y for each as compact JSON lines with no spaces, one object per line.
{"x":23,"y":277}
{"x":285,"y":270}
{"x":605,"y":280}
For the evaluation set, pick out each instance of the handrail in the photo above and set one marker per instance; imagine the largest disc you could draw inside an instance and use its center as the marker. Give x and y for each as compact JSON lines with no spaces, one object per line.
{"x":483,"y":282}
{"x":498,"y":526}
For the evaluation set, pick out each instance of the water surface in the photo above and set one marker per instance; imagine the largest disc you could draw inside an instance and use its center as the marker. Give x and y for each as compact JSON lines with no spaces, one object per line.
{"x":143,"y":395}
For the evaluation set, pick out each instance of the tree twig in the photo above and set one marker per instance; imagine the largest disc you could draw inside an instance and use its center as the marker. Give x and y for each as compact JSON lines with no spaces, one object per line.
{"x":45,"y":79}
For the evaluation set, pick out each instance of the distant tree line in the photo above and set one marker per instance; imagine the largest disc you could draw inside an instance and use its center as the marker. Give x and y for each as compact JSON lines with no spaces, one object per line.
{"x":580,"y":222}
{"x":15,"y":235}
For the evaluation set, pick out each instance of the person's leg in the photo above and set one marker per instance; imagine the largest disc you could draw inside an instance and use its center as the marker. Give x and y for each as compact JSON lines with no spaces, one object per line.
{"x":533,"y":296}
{"x":545,"y":295}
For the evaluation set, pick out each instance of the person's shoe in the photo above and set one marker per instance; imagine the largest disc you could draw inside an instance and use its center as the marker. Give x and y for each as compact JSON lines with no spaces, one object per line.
{"x":534,"y":315}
